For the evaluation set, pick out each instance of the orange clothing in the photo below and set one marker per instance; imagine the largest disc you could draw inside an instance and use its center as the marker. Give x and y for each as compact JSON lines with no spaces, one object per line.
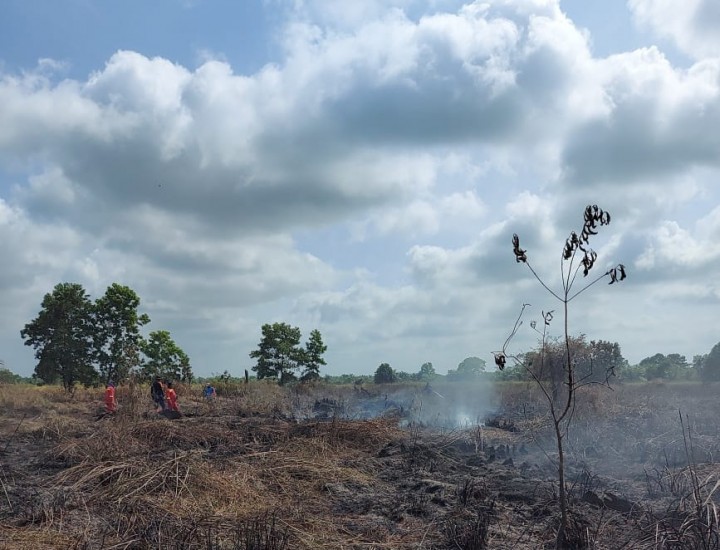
{"x":110,"y":403}
{"x":171,"y":398}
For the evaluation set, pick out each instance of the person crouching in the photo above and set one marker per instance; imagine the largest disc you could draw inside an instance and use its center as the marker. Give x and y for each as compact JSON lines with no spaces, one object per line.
{"x":158,"y":394}
{"x":110,"y":401}
{"x":171,"y":398}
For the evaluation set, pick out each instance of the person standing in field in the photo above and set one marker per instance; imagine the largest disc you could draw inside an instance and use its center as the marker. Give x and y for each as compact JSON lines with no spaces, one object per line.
{"x":158,"y":394}
{"x":171,"y":398}
{"x":110,"y":401}
{"x":209,"y":393}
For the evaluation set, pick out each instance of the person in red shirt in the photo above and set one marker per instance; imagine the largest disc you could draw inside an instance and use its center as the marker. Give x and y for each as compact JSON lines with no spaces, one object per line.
{"x":110,"y":401}
{"x":171,"y":398}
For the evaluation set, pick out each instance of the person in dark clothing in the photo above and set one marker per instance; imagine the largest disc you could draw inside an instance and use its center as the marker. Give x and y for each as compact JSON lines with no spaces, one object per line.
{"x":158,"y":394}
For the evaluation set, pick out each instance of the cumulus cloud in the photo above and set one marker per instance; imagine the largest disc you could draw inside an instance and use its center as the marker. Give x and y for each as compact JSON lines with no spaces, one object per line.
{"x":692,"y":25}
{"x":674,"y":246}
{"x":657,"y":122}
{"x":437,"y":128}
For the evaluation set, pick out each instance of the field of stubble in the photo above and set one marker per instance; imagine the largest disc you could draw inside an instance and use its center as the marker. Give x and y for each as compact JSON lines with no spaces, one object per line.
{"x":380,"y":467}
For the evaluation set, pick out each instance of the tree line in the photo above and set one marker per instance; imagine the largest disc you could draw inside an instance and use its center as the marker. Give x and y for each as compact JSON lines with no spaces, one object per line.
{"x":77,"y":340}
{"x":80,"y":341}
{"x":596,"y":362}
{"x":599,"y":361}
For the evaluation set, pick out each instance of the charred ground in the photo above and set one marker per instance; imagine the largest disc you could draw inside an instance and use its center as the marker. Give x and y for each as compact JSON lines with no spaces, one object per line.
{"x":379,"y":467}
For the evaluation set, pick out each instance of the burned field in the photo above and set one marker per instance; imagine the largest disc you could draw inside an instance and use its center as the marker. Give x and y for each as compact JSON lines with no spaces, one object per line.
{"x":379,"y":467}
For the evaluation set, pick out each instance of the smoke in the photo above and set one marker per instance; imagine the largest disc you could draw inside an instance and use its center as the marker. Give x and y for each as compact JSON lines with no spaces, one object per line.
{"x":445,"y":405}
{"x":456,"y":404}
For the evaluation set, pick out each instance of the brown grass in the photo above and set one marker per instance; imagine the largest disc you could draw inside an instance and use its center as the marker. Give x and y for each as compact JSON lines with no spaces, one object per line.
{"x":250,"y":471}
{"x":206,"y":481}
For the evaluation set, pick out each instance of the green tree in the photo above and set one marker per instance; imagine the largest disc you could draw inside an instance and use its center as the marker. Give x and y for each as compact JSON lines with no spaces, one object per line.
{"x":427,"y":372}
{"x":680,"y":366}
{"x":594,"y":362}
{"x":664,"y":367}
{"x":163,"y":357}
{"x":604,"y":360}
{"x":711,"y":364}
{"x":8,"y":377}
{"x":61,"y":335}
{"x":547,"y":363}
{"x":469,"y":368}
{"x":633,"y":373}
{"x":384,"y":374}
{"x":279,"y":353}
{"x":116,"y":337}
{"x":699,"y":363}
{"x":313,"y":357}
{"x":513,"y":372}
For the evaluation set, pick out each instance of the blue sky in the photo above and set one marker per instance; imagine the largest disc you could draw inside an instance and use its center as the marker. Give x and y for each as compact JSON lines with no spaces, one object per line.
{"x":359,"y":168}
{"x":85,"y":34}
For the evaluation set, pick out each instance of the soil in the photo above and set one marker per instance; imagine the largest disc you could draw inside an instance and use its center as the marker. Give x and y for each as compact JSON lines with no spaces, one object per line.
{"x":341,"y":471}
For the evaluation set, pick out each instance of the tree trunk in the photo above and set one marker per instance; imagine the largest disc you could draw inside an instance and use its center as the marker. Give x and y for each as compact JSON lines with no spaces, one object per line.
{"x":562,"y":530}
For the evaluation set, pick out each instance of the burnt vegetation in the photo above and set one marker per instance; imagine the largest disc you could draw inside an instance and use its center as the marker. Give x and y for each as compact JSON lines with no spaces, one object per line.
{"x":270,"y":467}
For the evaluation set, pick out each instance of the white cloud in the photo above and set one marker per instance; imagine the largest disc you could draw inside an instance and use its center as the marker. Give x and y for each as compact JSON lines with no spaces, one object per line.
{"x":430,"y":128}
{"x":457,"y":212}
{"x":50,"y":190}
{"x":691,"y":24}
{"x":658,"y":121}
{"x":673,"y":246}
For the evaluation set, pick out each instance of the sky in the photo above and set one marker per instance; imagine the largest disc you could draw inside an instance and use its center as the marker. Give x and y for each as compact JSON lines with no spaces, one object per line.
{"x":359,"y":168}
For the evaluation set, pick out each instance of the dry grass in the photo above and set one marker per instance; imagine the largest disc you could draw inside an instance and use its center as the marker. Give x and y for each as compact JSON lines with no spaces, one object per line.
{"x":250,"y":471}
{"x":207,"y":481}
{"x":33,"y":401}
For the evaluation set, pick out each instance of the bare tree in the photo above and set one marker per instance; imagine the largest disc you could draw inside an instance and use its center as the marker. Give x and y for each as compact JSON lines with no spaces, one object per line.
{"x":560,"y":391}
